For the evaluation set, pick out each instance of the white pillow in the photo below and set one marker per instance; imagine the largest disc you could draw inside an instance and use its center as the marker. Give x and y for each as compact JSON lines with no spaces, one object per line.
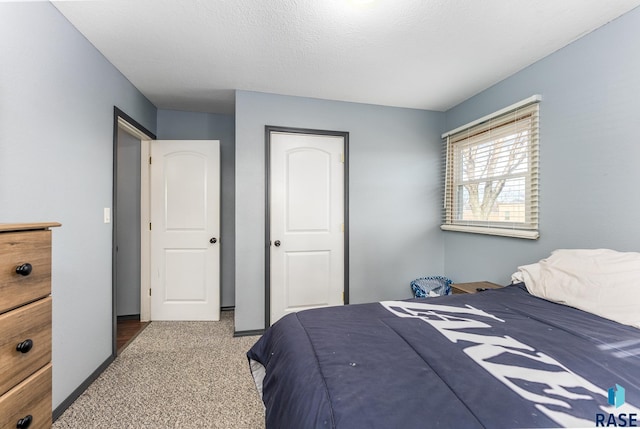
{"x":601,"y":281}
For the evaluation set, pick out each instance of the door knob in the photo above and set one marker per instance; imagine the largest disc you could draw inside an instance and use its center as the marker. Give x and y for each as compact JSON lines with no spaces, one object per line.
{"x":213,"y":240}
{"x":277,"y":243}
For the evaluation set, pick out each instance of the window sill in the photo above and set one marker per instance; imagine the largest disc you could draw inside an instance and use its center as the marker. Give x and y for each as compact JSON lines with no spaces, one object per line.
{"x":517,"y":233}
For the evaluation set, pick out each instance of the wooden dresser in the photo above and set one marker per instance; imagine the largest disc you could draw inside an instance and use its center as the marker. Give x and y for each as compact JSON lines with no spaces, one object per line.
{"x":25,"y":325}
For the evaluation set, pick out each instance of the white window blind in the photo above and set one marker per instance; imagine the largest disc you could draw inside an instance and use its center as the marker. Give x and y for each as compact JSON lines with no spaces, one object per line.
{"x":491,"y":174}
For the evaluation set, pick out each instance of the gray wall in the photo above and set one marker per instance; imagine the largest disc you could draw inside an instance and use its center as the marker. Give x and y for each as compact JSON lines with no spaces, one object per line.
{"x":127,"y":213}
{"x":394,"y":188}
{"x":57,"y":94}
{"x":589,"y":152}
{"x":179,"y":125}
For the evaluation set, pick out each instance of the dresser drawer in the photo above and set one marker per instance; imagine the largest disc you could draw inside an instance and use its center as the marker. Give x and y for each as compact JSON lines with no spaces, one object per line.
{"x":17,"y":249}
{"x":32,"y":398}
{"x":30,"y":322}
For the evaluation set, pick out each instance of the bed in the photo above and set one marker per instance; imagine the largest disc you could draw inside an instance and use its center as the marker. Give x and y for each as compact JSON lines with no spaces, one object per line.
{"x":502,"y":358}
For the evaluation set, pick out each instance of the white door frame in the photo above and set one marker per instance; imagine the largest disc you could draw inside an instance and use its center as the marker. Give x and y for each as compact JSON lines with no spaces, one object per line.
{"x":145,"y":231}
{"x":267,"y":277}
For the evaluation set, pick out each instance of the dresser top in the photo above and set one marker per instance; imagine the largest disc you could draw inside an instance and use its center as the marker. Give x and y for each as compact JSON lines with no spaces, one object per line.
{"x":5,"y":227}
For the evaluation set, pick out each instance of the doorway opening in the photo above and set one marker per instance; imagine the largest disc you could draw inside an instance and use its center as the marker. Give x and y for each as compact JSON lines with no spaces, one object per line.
{"x":129,"y":140}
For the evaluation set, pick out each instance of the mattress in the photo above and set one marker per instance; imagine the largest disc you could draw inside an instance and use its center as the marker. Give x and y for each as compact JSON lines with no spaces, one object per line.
{"x":498,"y":359}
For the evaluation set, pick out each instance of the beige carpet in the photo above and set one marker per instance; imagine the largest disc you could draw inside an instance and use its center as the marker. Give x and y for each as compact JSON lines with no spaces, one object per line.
{"x":174,"y":375}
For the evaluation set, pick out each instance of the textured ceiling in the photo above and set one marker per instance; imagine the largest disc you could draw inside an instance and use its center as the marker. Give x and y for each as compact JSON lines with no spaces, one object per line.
{"x":427,"y":54}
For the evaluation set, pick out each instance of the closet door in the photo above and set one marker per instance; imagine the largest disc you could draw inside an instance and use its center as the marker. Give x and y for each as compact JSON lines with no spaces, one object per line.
{"x":307,"y":222}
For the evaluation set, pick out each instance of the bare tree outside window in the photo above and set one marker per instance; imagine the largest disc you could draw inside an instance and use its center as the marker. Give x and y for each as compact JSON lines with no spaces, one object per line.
{"x":494,"y":174}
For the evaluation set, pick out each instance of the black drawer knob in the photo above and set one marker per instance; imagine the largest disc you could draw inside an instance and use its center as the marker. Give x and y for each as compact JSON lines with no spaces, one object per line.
{"x":24,"y":269}
{"x":25,"y":346}
{"x":24,"y":422}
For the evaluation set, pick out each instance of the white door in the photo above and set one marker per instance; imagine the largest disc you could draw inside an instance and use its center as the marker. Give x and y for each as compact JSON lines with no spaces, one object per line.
{"x":185,"y":218}
{"x":307,"y":222}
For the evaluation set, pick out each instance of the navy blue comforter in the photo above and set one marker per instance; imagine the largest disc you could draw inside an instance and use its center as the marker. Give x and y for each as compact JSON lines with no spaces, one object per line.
{"x":497,"y":359}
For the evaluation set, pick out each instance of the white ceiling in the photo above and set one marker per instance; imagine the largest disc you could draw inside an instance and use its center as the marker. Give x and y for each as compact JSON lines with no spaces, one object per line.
{"x":426,"y":54}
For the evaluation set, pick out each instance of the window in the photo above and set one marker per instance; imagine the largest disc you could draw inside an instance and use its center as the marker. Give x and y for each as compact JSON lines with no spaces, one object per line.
{"x":491,"y":173}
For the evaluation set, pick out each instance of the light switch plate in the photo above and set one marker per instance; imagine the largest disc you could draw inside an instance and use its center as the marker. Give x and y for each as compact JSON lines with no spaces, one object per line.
{"x":107,"y":215}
